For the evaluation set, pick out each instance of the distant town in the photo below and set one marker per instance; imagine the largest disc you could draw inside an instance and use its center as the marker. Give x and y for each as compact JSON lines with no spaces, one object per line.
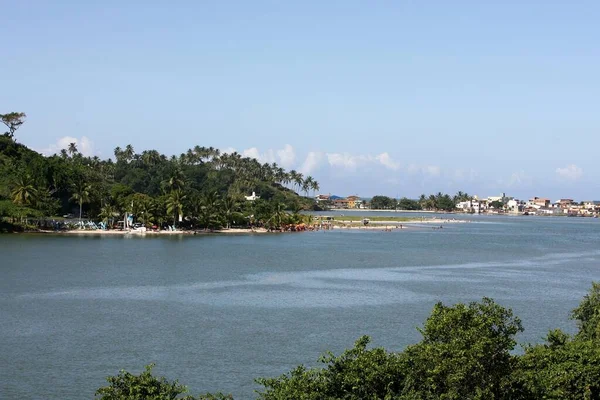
{"x":465,"y":203}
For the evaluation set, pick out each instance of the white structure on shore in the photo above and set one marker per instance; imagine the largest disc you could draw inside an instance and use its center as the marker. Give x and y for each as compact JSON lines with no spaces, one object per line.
{"x":252,"y":197}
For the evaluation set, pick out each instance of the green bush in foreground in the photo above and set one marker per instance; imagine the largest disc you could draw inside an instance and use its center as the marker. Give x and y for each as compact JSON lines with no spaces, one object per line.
{"x":465,"y":354}
{"x":146,"y":386}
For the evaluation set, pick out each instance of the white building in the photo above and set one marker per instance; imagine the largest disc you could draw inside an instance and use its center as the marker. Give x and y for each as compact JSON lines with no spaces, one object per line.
{"x":252,"y":197}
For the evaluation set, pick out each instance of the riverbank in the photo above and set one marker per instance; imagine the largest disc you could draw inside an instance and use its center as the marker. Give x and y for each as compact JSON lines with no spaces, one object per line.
{"x":346,"y":222}
{"x":101,"y":232}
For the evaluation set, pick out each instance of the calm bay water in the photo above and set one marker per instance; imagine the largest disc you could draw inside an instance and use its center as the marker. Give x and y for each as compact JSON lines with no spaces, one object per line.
{"x":217,"y":311}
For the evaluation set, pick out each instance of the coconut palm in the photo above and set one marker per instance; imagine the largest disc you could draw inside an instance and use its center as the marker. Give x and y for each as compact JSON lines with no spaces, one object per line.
{"x":315,"y":187}
{"x":294,"y":178}
{"x":278,"y":215}
{"x":118,"y":154}
{"x":175,"y":204}
{"x":176,"y":180}
{"x":209,"y":211}
{"x":24,"y":192}
{"x":231,"y":210}
{"x":72,"y":149}
{"x":81,"y":194}
{"x":129,"y":153}
{"x":108,"y":213}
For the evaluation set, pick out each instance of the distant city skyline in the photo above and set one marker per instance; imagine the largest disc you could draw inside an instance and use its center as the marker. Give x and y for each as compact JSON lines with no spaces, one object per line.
{"x":394,"y":99}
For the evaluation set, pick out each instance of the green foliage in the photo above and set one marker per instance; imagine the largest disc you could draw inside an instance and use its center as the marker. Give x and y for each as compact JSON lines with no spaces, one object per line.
{"x":382,"y":203}
{"x":441,"y":201}
{"x":588,"y":315}
{"x":13,"y":121}
{"x":199,"y":185}
{"x":465,"y":352}
{"x":497,"y":204}
{"x":145,"y":386}
{"x":408,"y":204}
{"x":359,"y":373}
{"x":561,"y":370}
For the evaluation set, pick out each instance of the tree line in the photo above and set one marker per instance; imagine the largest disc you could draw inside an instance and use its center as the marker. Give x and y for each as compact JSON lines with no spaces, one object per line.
{"x":434,"y":202}
{"x":466,"y":353}
{"x":202,"y":187}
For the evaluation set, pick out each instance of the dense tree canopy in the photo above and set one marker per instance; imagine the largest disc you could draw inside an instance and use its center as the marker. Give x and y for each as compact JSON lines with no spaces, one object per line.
{"x":201,"y":187}
{"x":433,"y":202}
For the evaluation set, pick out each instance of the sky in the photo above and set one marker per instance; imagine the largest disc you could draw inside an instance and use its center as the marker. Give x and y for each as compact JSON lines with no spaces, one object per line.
{"x":395,"y":98}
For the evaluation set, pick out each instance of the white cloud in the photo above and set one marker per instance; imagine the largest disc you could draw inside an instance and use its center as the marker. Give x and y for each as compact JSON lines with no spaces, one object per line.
{"x":570,"y":172}
{"x":387,"y":161}
{"x":313,"y":161}
{"x":348,"y":161}
{"x":84,"y":145}
{"x":286,"y":156}
{"x":252,"y":153}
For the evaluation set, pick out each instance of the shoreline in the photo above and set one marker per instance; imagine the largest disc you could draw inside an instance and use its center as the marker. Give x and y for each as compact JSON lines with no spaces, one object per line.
{"x":338,"y":225}
{"x":100,"y":232}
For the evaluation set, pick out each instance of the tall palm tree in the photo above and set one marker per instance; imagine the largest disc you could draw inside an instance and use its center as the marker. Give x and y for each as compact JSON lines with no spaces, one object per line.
{"x":423,"y":201}
{"x":175,"y":204}
{"x":209,"y":210}
{"x":24,"y":191}
{"x":432,"y":202}
{"x":230,"y":207}
{"x":308,"y":184}
{"x":278,"y":215}
{"x":129,"y":153}
{"x":176,"y":180}
{"x":293,"y":177}
{"x":315,"y":187}
{"x":72,"y":149}
{"x":81,"y":194}
{"x":118,"y":154}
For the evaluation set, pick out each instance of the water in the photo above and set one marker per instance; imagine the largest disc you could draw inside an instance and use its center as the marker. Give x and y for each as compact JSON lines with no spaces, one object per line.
{"x":218,"y":311}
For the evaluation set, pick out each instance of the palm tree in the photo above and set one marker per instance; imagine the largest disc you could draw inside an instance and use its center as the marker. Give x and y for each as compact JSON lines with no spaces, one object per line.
{"x":81,"y":194}
{"x":230,"y":208}
{"x":176,"y":181}
{"x":209,"y":210}
{"x":72,"y":149}
{"x":118,"y":154}
{"x":432,"y":202}
{"x":315,"y":187}
{"x":129,"y":153}
{"x":423,"y":201}
{"x":24,"y":192}
{"x":278,"y":215}
{"x":107,"y":213}
{"x":175,"y":204}
{"x":293,"y":178}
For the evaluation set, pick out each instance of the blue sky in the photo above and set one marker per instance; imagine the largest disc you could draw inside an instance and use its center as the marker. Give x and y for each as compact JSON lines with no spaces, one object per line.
{"x":394,"y":98}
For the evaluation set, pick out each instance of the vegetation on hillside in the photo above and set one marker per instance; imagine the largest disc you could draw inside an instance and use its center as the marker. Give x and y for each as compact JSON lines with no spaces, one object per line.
{"x":466,"y":353}
{"x":202,"y":185}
